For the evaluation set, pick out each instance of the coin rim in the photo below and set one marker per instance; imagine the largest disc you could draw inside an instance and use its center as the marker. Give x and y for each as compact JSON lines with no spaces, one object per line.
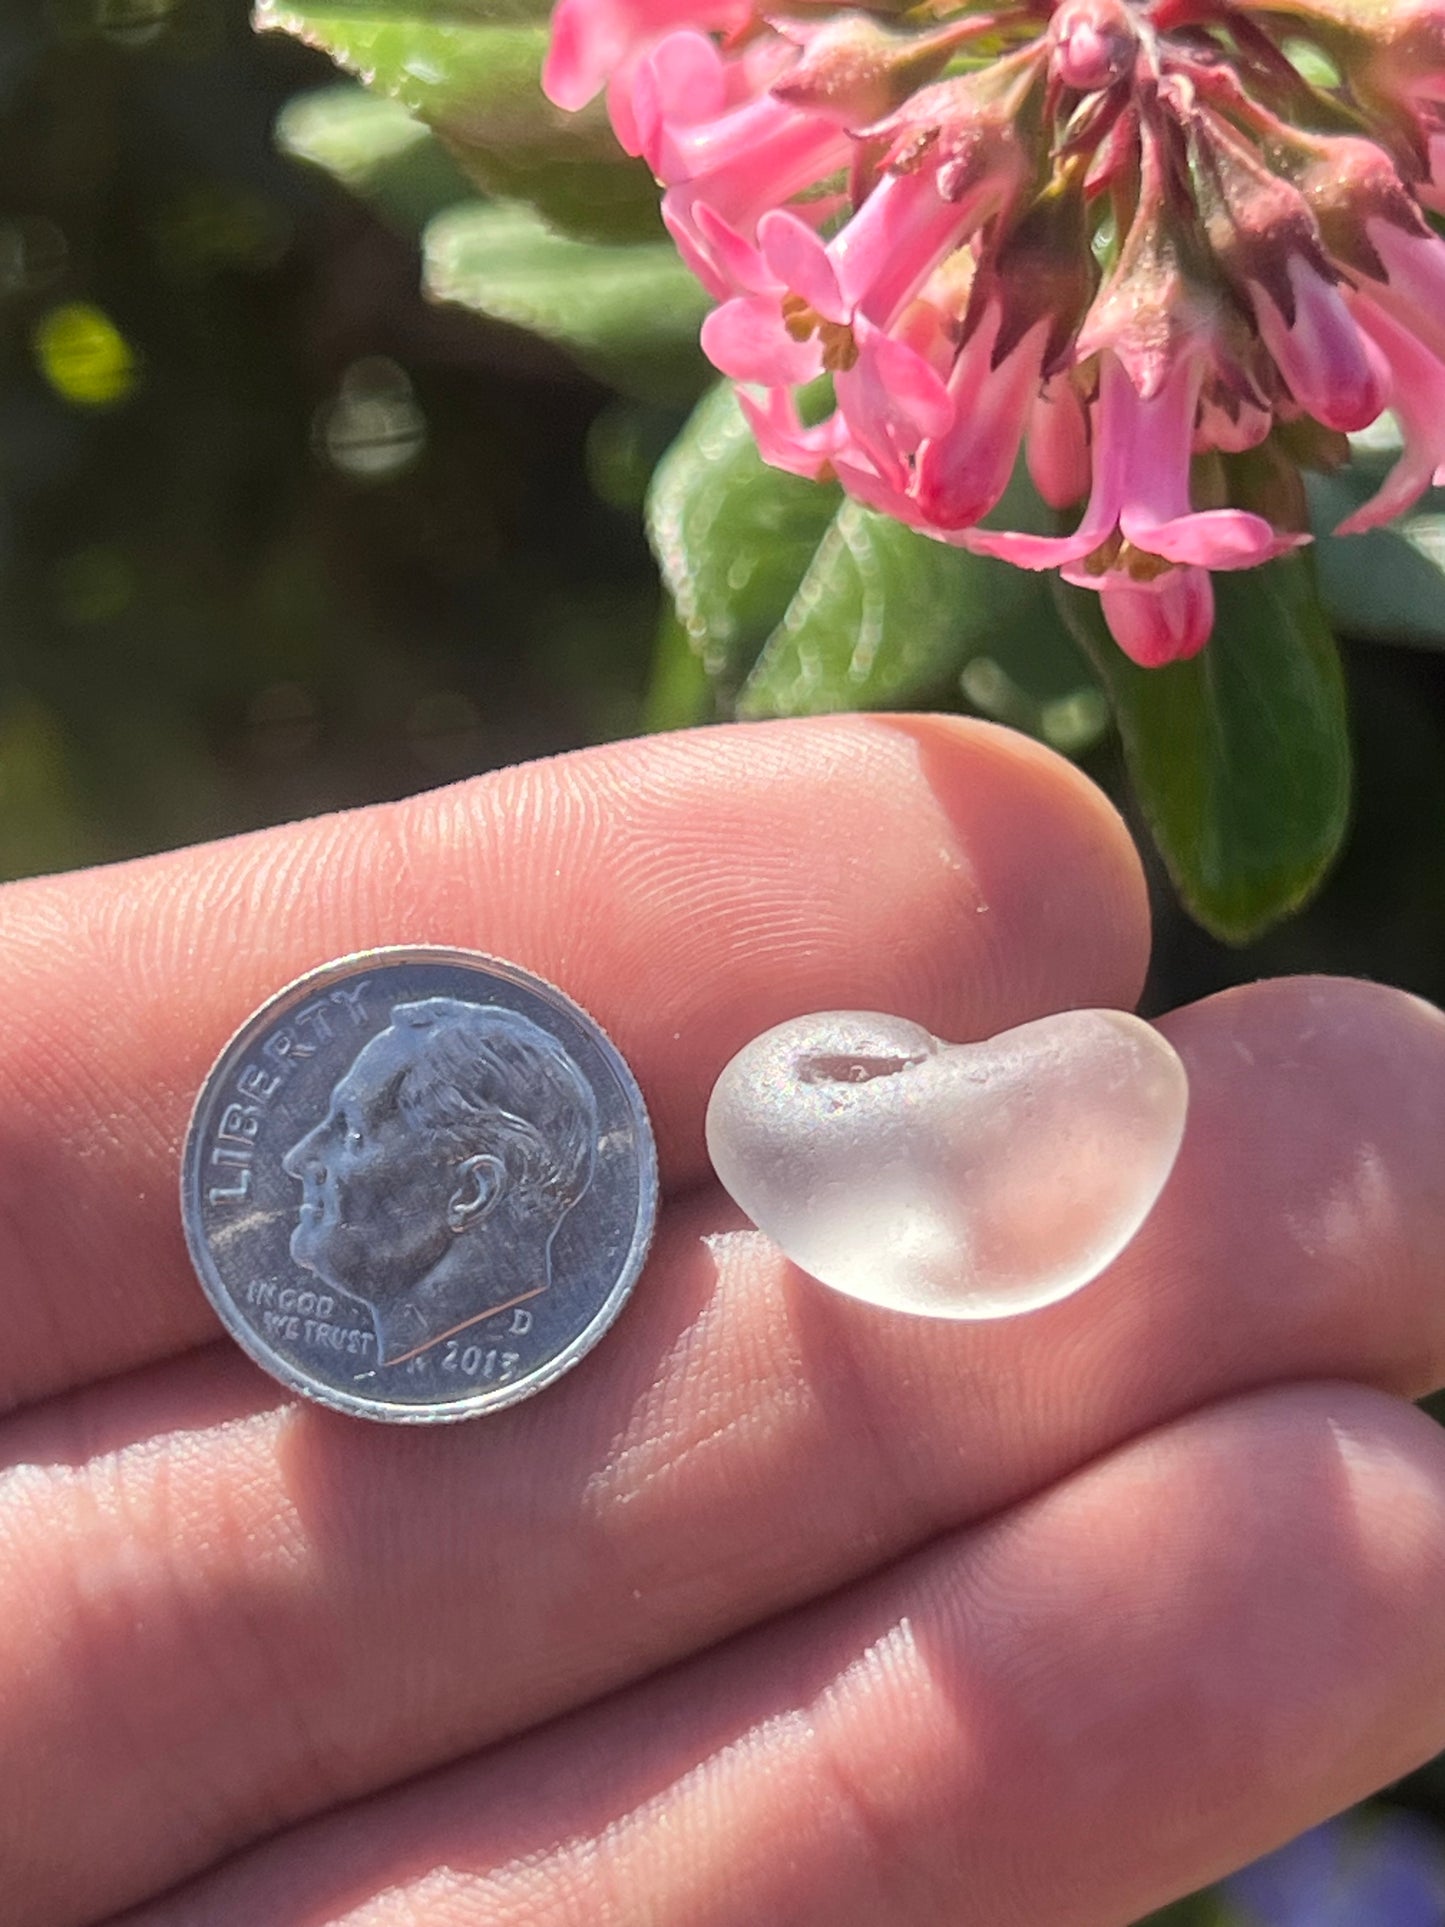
{"x":478,"y":1403}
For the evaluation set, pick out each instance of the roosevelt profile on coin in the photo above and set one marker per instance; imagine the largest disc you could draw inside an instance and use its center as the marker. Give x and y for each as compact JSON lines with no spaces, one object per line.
{"x":452,"y":1149}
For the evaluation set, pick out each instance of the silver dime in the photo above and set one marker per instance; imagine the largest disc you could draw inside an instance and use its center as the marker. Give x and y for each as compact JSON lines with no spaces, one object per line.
{"x":419,"y":1184}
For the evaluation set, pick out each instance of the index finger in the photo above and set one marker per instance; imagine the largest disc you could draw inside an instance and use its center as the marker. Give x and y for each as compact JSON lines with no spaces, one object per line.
{"x":688,"y":891}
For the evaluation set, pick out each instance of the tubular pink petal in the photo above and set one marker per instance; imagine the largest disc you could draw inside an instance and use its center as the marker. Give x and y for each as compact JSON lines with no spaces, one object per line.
{"x":1156,"y":515}
{"x":1155,"y":438}
{"x":917,"y":395}
{"x":630,"y":137}
{"x":891,"y":400}
{"x":782,"y":440}
{"x":894,"y":242}
{"x":745,"y":163}
{"x":681,"y":80}
{"x":583,"y":50}
{"x":961,"y":474}
{"x":1162,"y":621}
{"x":1401,"y":490}
{"x":690,"y":76}
{"x":746,"y":185}
{"x":1057,"y":448}
{"x":1036,"y":551}
{"x":875,"y":492}
{"x":736,"y":260}
{"x":745,"y":338}
{"x":680,"y":218}
{"x":1414,"y":290}
{"x":595,"y":42}
{"x":801,"y":263}
{"x":1325,"y":363}
{"x":1417,"y":396}
{"x":1214,"y":539}
{"x":1114,"y":415}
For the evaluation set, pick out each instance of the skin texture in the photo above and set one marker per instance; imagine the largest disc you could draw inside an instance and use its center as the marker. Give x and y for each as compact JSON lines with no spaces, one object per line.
{"x":779,"y":1609}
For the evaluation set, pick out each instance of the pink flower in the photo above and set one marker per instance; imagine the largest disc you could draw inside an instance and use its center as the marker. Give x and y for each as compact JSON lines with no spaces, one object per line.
{"x":1413,"y":287}
{"x":596,"y":44}
{"x":1141,"y":489}
{"x":1324,"y":360}
{"x":1058,"y":444}
{"x":961,"y":473}
{"x":785,"y":443}
{"x":1417,"y":395}
{"x":1098,"y":242}
{"x":1160,"y":620}
{"x":1268,"y":242}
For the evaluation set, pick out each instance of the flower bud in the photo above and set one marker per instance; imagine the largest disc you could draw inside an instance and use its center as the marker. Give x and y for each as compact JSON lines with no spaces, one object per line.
{"x":1058,"y":444}
{"x":1267,"y":241}
{"x":976,"y":131}
{"x":853,"y":71}
{"x":1347,"y":182}
{"x":1163,"y":620}
{"x":1406,"y":48}
{"x":1095,"y":43}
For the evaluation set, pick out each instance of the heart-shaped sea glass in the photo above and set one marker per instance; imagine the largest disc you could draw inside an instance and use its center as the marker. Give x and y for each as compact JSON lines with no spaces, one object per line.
{"x":955,"y":1180}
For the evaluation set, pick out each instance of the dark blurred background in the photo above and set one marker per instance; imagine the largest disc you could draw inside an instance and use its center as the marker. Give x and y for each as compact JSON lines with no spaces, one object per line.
{"x":278,"y":535}
{"x":275,"y":534}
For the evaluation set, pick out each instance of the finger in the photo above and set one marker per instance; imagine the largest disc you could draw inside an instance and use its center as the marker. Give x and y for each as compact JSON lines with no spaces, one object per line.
{"x":1167,"y":1666}
{"x":688,"y":891}
{"x":272,"y":1610}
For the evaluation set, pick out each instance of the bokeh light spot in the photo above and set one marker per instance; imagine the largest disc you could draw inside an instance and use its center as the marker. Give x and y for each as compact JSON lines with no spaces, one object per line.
{"x":132,"y":23}
{"x":85,"y":357}
{"x":374,"y":430}
{"x":32,"y":253}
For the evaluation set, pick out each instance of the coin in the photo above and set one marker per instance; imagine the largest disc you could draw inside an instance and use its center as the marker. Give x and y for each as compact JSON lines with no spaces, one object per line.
{"x":418,"y":1184}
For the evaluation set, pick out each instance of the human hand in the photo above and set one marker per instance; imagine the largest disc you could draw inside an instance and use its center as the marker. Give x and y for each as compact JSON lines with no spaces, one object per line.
{"x":779,"y":1609}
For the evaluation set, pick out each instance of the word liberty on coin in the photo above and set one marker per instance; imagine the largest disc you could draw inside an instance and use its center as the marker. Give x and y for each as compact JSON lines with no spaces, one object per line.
{"x":419,"y":1184}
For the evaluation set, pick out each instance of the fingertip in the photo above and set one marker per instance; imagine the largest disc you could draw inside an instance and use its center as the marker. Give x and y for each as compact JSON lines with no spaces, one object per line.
{"x":1045,"y":840}
{"x":1310,"y":1179}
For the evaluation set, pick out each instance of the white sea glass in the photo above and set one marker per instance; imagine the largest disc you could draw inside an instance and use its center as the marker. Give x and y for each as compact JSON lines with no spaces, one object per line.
{"x":952,"y":1180}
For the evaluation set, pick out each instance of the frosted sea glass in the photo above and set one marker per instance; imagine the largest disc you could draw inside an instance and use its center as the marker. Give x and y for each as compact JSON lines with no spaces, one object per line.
{"x":952,"y":1180}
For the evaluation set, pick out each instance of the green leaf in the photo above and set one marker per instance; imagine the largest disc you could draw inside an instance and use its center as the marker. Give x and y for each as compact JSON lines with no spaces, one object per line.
{"x":1031,"y":675}
{"x":678,"y":691}
{"x":1240,"y":758}
{"x":883,"y":617}
{"x":1387,"y":585}
{"x":476,"y":83}
{"x":797,"y":601}
{"x":377,"y":149}
{"x":732,"y":537}
{"x":629,"y":315}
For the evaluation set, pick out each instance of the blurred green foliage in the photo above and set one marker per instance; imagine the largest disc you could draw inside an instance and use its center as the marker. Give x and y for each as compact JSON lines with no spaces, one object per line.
{"x":276,"y":532}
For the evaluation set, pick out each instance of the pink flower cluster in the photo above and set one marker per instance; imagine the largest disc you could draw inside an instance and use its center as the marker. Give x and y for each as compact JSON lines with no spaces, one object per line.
{"x":1135,"y":239}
